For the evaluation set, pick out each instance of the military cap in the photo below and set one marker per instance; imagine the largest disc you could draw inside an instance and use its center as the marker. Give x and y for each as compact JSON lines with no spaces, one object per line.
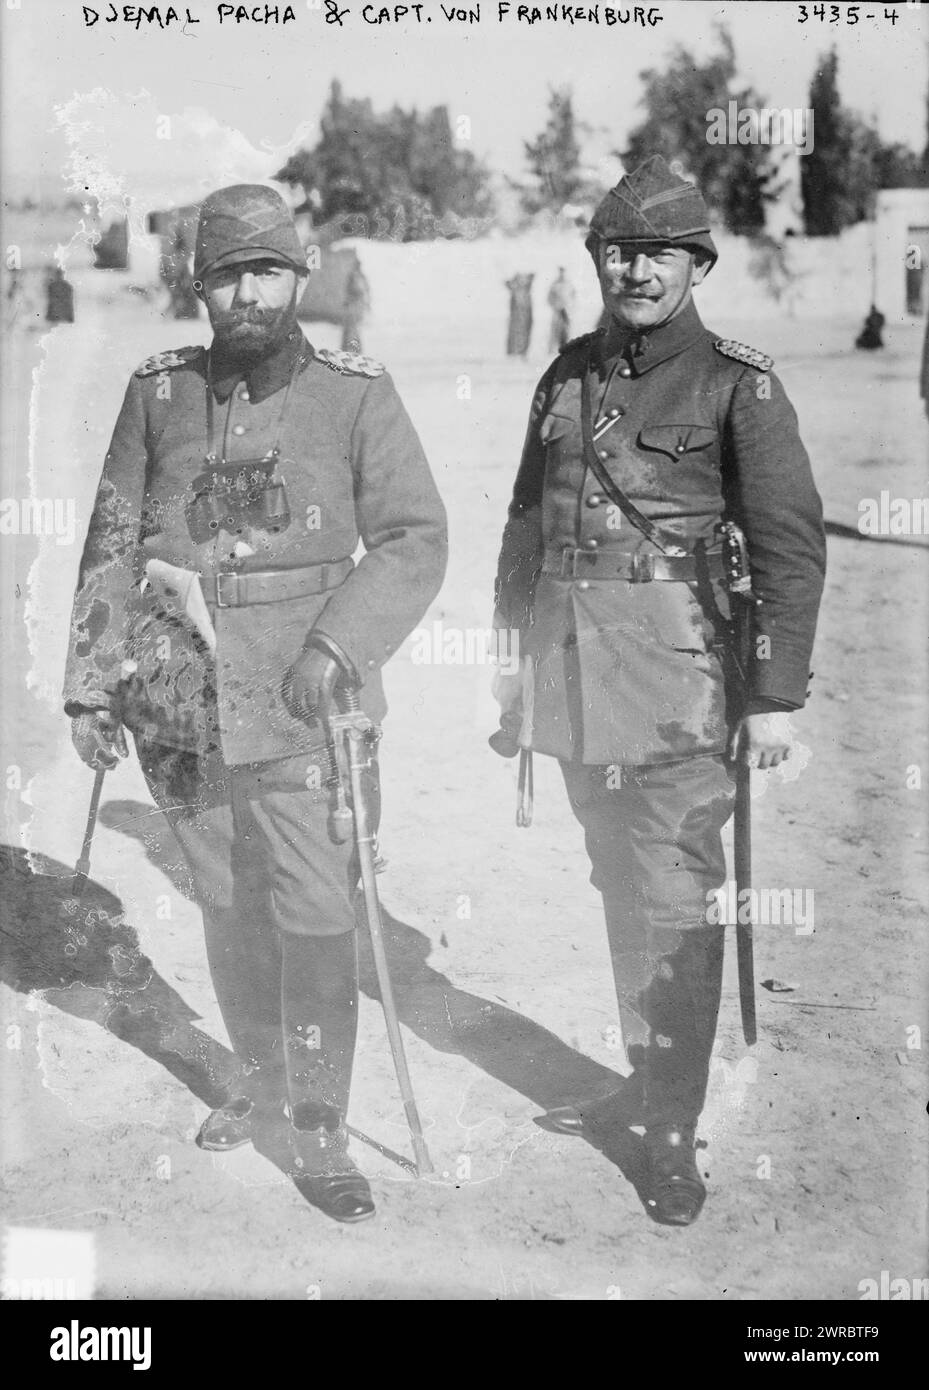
{"x":653,"y":204}
{"x":246,"y":222}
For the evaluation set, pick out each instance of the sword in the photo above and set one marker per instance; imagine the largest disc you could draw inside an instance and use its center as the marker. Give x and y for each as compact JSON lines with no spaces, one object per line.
{"x":739,"y":582}
{"x":742,"y":856}
{"x":82,"y":867}
{"x":353,"y":736}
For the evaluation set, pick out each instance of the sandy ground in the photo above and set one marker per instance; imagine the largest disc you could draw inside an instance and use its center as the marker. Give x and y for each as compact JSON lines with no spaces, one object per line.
{"x":816,"y":1148}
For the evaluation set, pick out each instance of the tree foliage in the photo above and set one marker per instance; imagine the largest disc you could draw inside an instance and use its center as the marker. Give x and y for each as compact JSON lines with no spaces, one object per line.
{"x":396,"y":173}
{"x":849,"y":163}
{"x":554,"y":160}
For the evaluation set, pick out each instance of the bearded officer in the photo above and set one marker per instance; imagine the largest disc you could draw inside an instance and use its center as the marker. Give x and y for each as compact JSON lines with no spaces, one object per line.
{"x":257,"y":464}
{"x":642,"y":439}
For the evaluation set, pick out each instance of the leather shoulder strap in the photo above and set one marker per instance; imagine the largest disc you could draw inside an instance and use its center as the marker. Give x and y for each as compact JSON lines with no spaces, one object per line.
{"x":612,"y":489}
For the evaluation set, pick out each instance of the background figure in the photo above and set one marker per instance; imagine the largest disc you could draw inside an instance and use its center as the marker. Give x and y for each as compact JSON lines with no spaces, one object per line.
{"x":561,"y":303}
{"x":60,"y":301}
{"x":179,"y":280}
{"x":357,"y":304}
{"x":14,"y":299}
{"x":870,"y":335}
{"x":519,"y":330}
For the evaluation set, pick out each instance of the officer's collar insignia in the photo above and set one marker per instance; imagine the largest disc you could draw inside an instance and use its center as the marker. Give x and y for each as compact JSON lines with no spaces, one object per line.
{"x":740,"y":353}
{"x":166,"y":361}
{"x":349,"y":363}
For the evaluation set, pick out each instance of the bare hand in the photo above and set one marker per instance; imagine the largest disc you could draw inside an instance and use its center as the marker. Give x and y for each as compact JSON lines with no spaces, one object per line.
{"x":762,"y":740}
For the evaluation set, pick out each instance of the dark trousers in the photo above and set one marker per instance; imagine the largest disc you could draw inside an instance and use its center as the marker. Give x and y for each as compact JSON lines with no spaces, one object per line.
{"x":653,"y":836}
{"x":277,"y":895}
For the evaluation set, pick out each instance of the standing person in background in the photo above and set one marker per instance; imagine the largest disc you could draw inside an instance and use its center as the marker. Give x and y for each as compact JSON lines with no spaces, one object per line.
{"x":357,"y":305}
{"x":519,"y":329}
{"x":561,"y":303}
{"x":60,"y":298}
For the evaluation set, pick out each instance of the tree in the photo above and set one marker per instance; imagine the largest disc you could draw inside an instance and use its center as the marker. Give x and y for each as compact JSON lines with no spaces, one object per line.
{"x":395,"y":173}
{"x":553,"y":159}
{"x":734,"y":179}
{"x":829,"y":189}
{"x":848,"y":163}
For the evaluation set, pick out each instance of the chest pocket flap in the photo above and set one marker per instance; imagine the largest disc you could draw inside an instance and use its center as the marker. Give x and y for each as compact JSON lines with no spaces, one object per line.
{"x":677,"y":441}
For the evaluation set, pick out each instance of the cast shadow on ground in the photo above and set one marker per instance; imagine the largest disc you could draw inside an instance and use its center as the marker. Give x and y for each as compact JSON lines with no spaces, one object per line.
{"x":86,"y":960}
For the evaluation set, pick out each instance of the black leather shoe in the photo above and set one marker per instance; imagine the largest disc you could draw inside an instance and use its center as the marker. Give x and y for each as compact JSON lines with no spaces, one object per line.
{"x":227,"y":1128}
{"x":346,"y":1196}
{"x":322,"y":1171}
{"x":597,"y":1118}
{"x":674,"y":1190}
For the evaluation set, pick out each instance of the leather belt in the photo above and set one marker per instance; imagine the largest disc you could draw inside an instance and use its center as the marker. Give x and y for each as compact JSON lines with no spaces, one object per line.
{"x":570,"y":562}
{"x":235,"y":589}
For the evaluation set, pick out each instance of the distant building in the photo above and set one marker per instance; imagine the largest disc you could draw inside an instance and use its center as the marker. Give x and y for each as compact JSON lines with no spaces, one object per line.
{"x":901,"y":253}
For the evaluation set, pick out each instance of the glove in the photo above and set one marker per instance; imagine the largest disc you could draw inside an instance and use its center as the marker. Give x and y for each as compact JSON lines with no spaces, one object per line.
{"x":311,"y":682}
{"x":505,"y":740}
{"x":98,"y":736}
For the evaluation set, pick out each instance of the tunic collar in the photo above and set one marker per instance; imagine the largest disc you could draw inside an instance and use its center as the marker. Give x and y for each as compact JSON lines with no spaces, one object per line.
{"x":261,"y":378}
{"x":645,"y":350}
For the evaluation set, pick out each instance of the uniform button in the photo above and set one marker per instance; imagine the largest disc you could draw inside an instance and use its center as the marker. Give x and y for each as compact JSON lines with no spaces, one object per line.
{"x":238,"y":429}
{"x":604,"y":453}
{"x":625,"y":370}
{"x":680,"y":448}
{"x":243,"y":394}
{"x":371,"y":664}
{"x":615,"y":410}
{"x":583,"y":585}
{"x":592,"y":544}
{"x":594,"y":499}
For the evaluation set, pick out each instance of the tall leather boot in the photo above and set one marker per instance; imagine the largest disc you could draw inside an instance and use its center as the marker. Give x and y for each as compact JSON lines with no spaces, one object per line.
{"x":245,"y":966}
{"x":680,"y":1004}
{"x":319,"y":1009}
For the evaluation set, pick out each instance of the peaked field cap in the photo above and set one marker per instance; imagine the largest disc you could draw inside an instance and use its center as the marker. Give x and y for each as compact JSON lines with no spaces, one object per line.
{"x":653,"y":204}
{"x":246,"y":222}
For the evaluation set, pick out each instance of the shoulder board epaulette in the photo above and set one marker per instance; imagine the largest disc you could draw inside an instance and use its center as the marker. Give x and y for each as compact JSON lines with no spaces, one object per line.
{"x":349,"y":363}
{"x":572,"y":343}
{"x":740,"y":353}
{"x":167,"y":361}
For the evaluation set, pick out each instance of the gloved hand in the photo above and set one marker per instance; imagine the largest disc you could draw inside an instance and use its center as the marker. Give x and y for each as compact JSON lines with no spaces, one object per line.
{"x":98,"y":736}
{"x":310,"y":683}
{"x":505,"y":740}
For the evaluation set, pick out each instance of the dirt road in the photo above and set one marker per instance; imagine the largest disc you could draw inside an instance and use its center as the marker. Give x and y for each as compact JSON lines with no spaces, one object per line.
{"x":816,"y":1141}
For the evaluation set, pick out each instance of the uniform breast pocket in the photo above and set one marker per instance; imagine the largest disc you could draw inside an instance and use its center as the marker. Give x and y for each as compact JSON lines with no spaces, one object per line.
{"x":680,"y":443}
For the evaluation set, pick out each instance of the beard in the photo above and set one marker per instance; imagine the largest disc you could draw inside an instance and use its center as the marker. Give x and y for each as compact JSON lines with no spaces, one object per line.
{"x":247,"y":335}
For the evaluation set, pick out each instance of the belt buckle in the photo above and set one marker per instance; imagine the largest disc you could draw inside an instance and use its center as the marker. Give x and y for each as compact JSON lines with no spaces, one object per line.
{"x":643,"y":568}
{"x":222,"y":602}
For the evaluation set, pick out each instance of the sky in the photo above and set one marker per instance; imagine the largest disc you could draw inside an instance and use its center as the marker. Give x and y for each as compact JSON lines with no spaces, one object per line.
{"x":85,"y":105}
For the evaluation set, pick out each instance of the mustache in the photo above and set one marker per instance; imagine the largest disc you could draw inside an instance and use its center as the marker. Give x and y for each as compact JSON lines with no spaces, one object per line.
{"x":252,"y":314}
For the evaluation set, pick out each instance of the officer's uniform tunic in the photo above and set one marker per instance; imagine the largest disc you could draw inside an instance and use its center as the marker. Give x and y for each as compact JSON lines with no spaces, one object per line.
{"x":241,"y":779}
{"x":631,"y":692}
